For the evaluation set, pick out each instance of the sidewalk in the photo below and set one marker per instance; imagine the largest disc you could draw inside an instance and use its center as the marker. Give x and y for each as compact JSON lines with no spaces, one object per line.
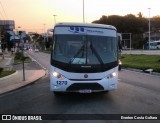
{"x":33,"y":72}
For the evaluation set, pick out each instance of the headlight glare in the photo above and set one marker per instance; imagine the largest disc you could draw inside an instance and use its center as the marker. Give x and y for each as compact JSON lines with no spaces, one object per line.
{"x":55,"y":74}
{"x":112,"y":75}
{"x":58,"y":75}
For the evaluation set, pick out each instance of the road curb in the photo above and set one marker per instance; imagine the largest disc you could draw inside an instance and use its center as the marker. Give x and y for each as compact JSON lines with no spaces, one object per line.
{"x":6,"y":77}
{"x":141,"y":71}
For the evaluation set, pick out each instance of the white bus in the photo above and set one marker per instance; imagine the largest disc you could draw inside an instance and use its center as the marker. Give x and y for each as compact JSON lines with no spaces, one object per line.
{"x":153,"y":45}
{"x":84,"y":58}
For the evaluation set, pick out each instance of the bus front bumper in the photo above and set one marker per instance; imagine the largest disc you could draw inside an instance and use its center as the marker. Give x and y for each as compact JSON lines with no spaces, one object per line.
{"x":66,"y":85}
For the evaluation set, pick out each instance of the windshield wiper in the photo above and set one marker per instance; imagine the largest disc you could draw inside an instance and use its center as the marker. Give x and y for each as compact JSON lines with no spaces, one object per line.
{"x":96,"y":54}
{"x":78,"y":52}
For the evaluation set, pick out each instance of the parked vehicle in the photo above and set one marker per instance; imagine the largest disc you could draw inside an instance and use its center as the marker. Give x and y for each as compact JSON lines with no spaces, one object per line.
{"x":36,"y":50}
{"x":152,"y":45}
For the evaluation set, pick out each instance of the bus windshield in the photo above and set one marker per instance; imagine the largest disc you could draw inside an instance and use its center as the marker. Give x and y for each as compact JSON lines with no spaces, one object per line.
{"x":84,"y":49}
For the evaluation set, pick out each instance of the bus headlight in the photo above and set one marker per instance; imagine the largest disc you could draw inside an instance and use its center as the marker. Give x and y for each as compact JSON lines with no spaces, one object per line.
{"x":112,"y":75}
{"x":58,"y":75}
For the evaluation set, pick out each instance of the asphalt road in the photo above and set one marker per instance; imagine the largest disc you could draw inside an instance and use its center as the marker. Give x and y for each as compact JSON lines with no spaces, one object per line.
{"x":137,"y":93}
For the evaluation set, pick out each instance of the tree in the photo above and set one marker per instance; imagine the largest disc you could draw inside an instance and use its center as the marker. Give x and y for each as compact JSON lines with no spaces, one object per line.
{"x":155,"y":23}
{"x":102,"y":20}
{"x":128,"y":24}
{"x":35,"y":37}
{"x":140,"y":15}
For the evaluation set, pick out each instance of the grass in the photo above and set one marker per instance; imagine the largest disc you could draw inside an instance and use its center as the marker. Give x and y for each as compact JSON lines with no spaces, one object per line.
{"x":17,"y":61}
{"x":141,"y":62}
{"x":18,"y":58}
{"x":6,"y":73}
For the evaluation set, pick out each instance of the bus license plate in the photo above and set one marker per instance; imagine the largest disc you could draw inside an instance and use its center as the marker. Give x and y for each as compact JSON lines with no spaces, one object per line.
{"x":85,"y":91}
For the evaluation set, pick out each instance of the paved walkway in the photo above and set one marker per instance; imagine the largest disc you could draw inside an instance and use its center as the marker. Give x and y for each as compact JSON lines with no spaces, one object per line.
{"x":33,"y":72}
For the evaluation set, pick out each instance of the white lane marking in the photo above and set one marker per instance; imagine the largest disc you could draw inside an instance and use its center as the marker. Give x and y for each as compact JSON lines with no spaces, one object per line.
{"x":38,"y":63}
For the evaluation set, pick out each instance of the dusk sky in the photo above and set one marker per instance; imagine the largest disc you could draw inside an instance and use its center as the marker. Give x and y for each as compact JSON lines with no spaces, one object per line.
{"x":31,"y":15}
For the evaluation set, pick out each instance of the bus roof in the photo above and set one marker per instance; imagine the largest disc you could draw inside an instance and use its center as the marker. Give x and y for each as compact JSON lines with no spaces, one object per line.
{"x":86,"y":25}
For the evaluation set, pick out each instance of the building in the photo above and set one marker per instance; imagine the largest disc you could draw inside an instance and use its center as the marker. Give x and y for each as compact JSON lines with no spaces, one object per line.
{"x":7,"y":25}
{"x":154,"y":35}
{"x":6,"y":29}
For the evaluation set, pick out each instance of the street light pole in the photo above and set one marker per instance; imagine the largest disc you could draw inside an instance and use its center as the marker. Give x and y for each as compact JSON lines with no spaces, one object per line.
{"x":149,"y":28}
{"x":54,"y":19}
{"x":83,"y":12}
{"x":44,"y":35}
{"x":44,"y":27}
{"x":23,"y":58}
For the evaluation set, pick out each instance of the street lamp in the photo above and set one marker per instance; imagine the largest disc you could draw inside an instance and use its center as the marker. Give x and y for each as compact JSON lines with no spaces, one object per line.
{"x":149,"y":28}
{"x":54,"y":19}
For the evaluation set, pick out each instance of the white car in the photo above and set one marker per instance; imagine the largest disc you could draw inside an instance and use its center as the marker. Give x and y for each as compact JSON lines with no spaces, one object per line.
{"x":30,"y":49}
{"x":36,"y":50}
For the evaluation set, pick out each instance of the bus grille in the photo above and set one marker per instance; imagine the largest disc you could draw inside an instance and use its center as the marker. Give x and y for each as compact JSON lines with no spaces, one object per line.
{"x":83,"y":86}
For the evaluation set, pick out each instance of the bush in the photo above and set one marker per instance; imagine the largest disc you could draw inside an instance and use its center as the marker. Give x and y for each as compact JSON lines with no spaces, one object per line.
{"x":19,"y":55}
